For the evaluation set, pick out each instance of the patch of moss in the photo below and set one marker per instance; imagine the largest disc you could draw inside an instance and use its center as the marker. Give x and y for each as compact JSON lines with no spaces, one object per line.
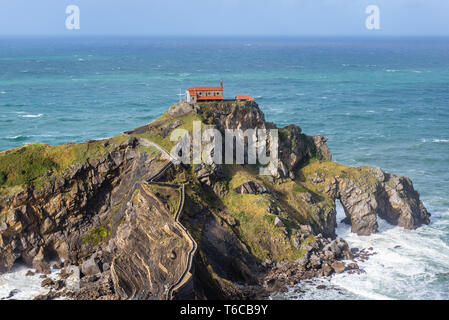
{"x":96,"y":235}
{"x":255,"y":225}
{"x":24,"y":165}
{"x":150,"y":150}
{"x":171,"y":196}
{"x":299,"y":189}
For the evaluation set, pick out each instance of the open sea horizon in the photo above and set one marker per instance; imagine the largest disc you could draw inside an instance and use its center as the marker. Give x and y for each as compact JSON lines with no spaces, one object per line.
{"x":382,"y":102}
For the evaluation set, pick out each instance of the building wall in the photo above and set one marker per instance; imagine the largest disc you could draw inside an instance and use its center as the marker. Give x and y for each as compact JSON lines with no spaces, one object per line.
{"x":189,"y":98}
{"x":206,"y":93}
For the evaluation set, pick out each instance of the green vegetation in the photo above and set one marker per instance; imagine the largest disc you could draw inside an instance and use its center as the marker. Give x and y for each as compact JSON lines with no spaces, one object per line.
{"x":23,"y":165}
{"x":171,"y":196}
{"x":96,"y":236}
{"x":299,"y":189}
{"x":255,"y":226}
{"x":150,"y":150}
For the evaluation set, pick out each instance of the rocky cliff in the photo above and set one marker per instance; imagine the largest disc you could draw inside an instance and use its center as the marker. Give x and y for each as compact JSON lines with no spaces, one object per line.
{"x":94,"y":208}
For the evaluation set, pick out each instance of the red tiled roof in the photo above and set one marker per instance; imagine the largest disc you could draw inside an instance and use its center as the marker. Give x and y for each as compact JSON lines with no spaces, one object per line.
{"x":244,"y":97}
{"x":210,"y":98}
{"x":206,"y":89}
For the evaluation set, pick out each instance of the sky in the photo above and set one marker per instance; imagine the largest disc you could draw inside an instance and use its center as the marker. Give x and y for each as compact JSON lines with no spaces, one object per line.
{"x":225,"y":17}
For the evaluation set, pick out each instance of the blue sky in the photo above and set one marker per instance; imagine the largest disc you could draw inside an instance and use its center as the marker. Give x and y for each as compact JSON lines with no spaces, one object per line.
{"x":225,"y":17}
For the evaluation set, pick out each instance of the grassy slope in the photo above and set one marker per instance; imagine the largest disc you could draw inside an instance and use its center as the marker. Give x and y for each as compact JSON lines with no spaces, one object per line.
{"x":32,"y":163}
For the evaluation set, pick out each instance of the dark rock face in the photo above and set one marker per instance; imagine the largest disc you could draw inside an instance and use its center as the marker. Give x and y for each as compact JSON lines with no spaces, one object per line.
{"x":90,"y":267}
{"x":41,"y":224}
{"x":229,"y":259}
{"x":296,"y":147}
{"x":66,"y":221}
{"x":234,"y":116}
{"x":181,"y":108}
{"x":209,"y":174}
{"x":143,"y":244}
{"x":251,"y":187}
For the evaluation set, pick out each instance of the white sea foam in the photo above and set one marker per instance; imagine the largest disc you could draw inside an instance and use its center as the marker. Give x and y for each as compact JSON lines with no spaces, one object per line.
{"x":407,"y":265}
{"x":440,"y":140}
{"x":32,"y":115}
{"x":25,"y":287}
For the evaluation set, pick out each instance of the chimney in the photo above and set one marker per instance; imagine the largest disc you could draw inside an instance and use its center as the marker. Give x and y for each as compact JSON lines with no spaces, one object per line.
{"x":221,"y":84}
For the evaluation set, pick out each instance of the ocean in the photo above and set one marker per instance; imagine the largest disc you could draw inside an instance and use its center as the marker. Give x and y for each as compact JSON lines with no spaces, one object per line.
{"x":381,"y":101}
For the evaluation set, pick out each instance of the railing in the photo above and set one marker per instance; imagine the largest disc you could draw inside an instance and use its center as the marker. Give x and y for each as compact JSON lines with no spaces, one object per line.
{"x":185,"y":275}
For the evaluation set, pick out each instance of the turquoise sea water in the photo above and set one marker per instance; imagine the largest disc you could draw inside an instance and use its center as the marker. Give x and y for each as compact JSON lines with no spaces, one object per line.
{"x":381,"y":102}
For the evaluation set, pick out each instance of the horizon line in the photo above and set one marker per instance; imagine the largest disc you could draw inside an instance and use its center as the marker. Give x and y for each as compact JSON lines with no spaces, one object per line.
{"x":223,"y":36}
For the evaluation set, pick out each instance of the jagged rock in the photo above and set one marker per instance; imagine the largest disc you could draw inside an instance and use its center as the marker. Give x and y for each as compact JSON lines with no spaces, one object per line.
{"x":90,"y":267}
{"x":327,"y":270}
{"x":47,"y":282}
{"x":235,"y":116}
{"x":180,"y":109}
{"x":59,"y":284}
{"x":209,"y":174}
{"x":352,"y":266}
{"x":40,"y":264}
{"x":307,"y":197}
{"x":29,"y":273}
{"x":273,"y":208}
{"x":321,"y":146}
{"x":305,"y":229}
{"x":251,"y":187}
{"x":295,"y":147}
{"x":316,"y":178}
{"x":72,"y":278}
{"x":166,"y":129}
{"x":278,"y":222}
{"x":338,"y":266}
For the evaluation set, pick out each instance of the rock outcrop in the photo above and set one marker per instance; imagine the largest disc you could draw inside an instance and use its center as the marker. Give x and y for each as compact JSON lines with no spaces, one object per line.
{"x":118,"y":236}
{"x":251,"y":187}
{"x":378,"y":194}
